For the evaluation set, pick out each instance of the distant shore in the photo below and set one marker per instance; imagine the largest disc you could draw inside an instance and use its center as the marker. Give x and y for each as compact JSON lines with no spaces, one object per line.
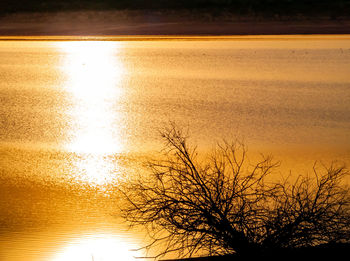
{"x":129,"y":23}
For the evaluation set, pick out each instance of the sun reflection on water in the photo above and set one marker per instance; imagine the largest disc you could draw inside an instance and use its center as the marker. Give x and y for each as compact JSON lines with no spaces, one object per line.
{"x":96,"y":248}
{"x":94,"y":76}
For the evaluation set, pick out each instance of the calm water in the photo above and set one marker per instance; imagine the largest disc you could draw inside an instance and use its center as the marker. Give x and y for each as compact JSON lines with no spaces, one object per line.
{"x":77,"y":116}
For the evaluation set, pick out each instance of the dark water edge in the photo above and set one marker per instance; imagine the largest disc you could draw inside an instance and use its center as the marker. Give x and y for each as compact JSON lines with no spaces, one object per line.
{"x":184,"y":23}
{"x":323,"y":252}
{"x":331,"y":8}
{"x":170,"y":17}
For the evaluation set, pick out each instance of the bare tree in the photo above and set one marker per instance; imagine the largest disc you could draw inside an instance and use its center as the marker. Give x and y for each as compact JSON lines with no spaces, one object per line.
{"x":223,"y":204}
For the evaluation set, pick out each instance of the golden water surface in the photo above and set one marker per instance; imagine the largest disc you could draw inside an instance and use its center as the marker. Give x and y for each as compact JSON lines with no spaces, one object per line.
{"x":78,"y":116}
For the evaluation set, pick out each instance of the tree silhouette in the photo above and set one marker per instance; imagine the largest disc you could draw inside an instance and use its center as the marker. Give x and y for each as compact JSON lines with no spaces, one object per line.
{"x":224,"y":205}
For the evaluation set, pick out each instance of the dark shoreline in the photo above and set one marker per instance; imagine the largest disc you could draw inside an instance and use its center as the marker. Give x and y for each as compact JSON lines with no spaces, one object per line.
{"x":111,"y":23}
{"x":322,"y":252}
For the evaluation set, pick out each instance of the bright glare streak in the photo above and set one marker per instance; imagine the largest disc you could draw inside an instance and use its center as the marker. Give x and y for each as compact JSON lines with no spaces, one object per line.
{"x":96,"y":248}
{"x":94,"y":75}
{"x":94,"y":70}
{"x":96,"y":169}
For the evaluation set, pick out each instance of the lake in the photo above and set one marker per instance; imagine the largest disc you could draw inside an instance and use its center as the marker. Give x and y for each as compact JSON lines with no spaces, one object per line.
{"x":79,"y":115}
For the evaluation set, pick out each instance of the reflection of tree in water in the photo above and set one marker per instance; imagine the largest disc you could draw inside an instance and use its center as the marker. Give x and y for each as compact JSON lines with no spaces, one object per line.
{"x":226,"y":205}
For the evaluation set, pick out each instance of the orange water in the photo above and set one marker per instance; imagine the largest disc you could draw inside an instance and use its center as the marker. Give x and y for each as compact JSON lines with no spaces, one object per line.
{"x":77,"y":116}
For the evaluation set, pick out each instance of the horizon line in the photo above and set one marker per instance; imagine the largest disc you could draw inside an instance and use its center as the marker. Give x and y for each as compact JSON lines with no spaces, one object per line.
{"x":165,"y":37}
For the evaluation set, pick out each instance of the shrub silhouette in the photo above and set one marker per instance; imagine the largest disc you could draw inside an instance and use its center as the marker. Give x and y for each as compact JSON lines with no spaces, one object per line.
{"x":225,"y":205}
